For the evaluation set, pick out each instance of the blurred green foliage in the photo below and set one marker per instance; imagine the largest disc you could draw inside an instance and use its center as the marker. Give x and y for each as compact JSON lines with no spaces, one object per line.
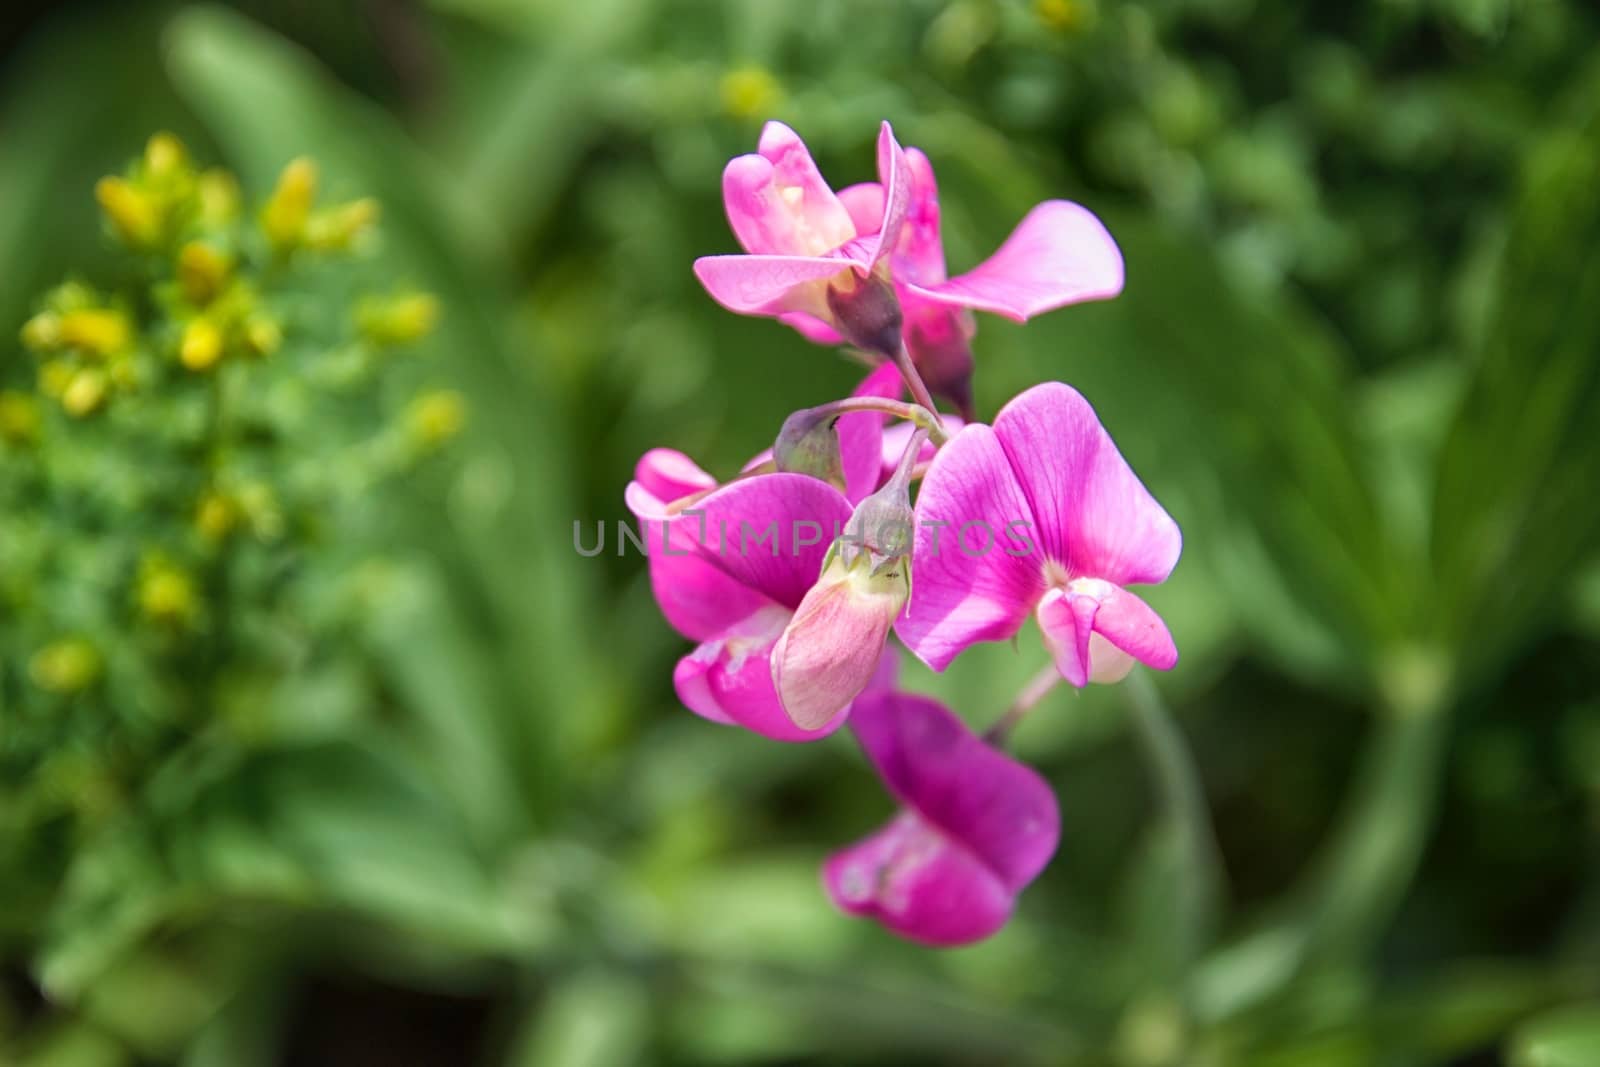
{"x":446,"y":810}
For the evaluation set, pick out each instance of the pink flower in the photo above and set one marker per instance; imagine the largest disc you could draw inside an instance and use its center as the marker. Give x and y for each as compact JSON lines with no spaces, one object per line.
{"x":975,"y":826}
{"x":1059,"y":254}
{"x":1040,"y":514}
{"x":806,"y":255}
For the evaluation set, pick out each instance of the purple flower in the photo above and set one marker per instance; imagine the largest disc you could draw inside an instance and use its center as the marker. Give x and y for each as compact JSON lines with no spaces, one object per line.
{"x":974,"y":826}
{"x":1041,"y":514}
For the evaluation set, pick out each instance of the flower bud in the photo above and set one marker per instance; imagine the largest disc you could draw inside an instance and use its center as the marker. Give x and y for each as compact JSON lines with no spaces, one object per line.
{"x":98,"y":331}
{"x":70,"y":665}
{"x":749,"y":92}
{"x":202,"y":272}
{"x":882,"y":526}
{"x":42,"y":333}
{"x":808,"y":443}
{"x":218,"y":195}
{"x":435,"y":417}
{"x":340,"y":227}
{"x":166,"y":594}
{"x":164,"y":156}
{"x":284,"y":217}
{"x":262,"y":335}
{"x":19,"y":418}
{"x":85,"y":392}
{"x":215,"y":516}
{"x":399,"y":320}
{"x":132,"y":213}
{"x":866,"y":312}
{"x":201,"y":347}
{"x":940,"y":348}
{"x":831,"y":648}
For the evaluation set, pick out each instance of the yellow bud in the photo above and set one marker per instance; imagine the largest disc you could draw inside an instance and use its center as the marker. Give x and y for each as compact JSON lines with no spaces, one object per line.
{"x":100,"y":331}
{"x":215,"y":516}
{"x":166,"y":594}
{"x":435,"y":417}
{"x":85,"y":392}
{"x":19,"y":418}
{"x":749,"y":92}
{"x":283,"y":219}
{"x":262,"y":335}
{"x":42,"y":333}
{"x":164,"y":155}
{"x":339,"y":227}
{"x":399,"y":320}
{"x":219,"y":197}
{"x":260,"y":508}
{"x":54,"y":377}
{"x":133,"y":214}
{"x":70,"y":665}
{"x":1065,"y":16}
{"x":202,"y":272}
{"x":201,"y":347}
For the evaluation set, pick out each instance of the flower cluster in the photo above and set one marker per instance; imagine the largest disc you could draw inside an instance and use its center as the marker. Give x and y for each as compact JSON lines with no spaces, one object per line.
{"x":177,"y":460}
{"x":791,"y":576}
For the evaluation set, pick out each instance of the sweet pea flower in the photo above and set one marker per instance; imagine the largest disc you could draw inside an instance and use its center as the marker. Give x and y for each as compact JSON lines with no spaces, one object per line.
{"x":790,"y":623}
{"x":1040,"y":513}
{"x":1059,"y":254}
{"x":974,"y":826}
{"x":806,"y":256}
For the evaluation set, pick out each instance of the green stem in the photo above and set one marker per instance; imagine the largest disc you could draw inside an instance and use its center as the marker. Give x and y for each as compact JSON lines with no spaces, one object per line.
{"x":1037,"y":689}
{"x":916,"y":414}
{"x":1201,"y":890}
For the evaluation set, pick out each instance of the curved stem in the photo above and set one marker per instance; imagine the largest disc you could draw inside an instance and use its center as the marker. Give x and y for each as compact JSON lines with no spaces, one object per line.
{"x":914,"y":382}
{"x":916,"y":414}
{"x":1037,"y":689}
{"x":1201,"y":890}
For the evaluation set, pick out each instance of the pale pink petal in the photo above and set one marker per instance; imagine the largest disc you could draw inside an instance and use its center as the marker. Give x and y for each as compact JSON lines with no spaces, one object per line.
{"x":976,"y":568}
{"x":758,"y":285}
{"x":918,"y":884}
{"x":898,"y":436}
{"x":821,"y":222}
{"x":756,"y":213}
{"x":1066,"y":622}
{"x":729,"y":680}
{"x":861,"y":435}
{"x":1095,"y":517}
{"x":994,"y":806}
{"x":864,"y":202}
{"x":1059,"y":254}
{"x":811,"y":328}
{"x":1133,"y":626}
{"x":832,"y":648}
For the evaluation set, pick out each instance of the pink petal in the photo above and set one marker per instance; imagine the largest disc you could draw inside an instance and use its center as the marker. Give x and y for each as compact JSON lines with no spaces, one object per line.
{"x":1094,"y":630}
{"x":894,"y":177}
{"x":962,"y":591}
{"x":756,"y":542}
{"x":832,"y":648}
{"x":811,"y":328}
{"x":861,"y":435}
{"x":1059,"y":254}
{"x":759,"y":285}
{"x":918,"y":884}
{"x":864,"y":202}
{"x":661,"y":476}
{"x":920,"y":257}
{"x":1095,"y":517}
{"x":995,"y":807}
{"x":896,"y":437}
{"x":729,"y":680}
{"x":820,"y":221}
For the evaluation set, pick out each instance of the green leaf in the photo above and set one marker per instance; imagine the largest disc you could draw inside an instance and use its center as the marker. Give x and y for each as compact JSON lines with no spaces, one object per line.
{"x":1567,"y":1037}
{"x":1513,"y":511}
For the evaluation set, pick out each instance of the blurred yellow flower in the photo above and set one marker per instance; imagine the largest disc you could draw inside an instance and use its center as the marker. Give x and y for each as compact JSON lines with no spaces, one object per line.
{"x":133,"y":213}
{"x":202,"y":272}
{"x":399,"y":320}
{"x":85,"y":392}
{"x":749,"y":92}
{"x":70,"y":665}
{"x":284,"y":217}
{"x":98,"y":331}
{"x":436,"y":416}
{"x":201,"y":347}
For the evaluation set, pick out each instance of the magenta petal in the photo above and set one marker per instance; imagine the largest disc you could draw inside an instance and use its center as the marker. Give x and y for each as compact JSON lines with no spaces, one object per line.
{"x":1059,"y":254}
{"x":920,"y":257}
{"x":661,"y":476}
{"x":976,"y":569}
{"x":997,"y":808}
{"x":918,"y":884}
{"x":1131,"y":625}
{"x":1096,"y":517}
{"x":729,"y":680}
{"x":861,"y":435}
